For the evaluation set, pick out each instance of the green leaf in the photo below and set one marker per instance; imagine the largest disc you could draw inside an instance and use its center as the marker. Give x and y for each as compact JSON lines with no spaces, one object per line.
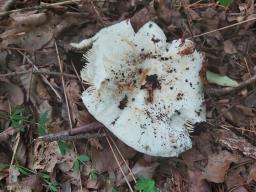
{"x":43,"y":120}
{"x":53,"y":187}
{"x":3,"y":166}
{"x":145,"y":185}
{"x":64,"y":147}
{"x":225,"y":3}
{"x":220,"y":80}
{"x":93,"y":174}
{"x":45,"y":176}
{"x":114,"y":190}
{"x":76,"y":165}
{"x":24,"y":170}
{"x":17,"y":125}
{"x":83,"y":158}
{"x":17,"y":119}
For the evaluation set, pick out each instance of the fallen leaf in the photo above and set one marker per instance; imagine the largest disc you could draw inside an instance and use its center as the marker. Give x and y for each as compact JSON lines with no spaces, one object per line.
{"x":217,"y":166}
{"x":103,"y":160}
{"x":233,"y":142}
{"x":235,"y":178}
{"x":46,"y":156}
{"x":197,"y":181}
{"x":252,"y":173}
{"x":229,"y":47}
{"x":13,"y":92}
{"x":138,"y":169}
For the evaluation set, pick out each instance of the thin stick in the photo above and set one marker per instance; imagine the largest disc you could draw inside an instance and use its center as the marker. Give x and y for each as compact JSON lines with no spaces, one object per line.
{"x":95,"y":126}
{"x":227,"y":90}
{"x":119,"y":165}
{"x":133,"y":177}
{"x":39,"y":7}
{"x":67,"y":137}
{"x":63,"y":85}
{"x":37,"y":72}
{"x":77,"y":75}
{"x":67,"y":103}
{"x":222,"y":28}
{"x":43,"y":77}
{"x":15,"y":148}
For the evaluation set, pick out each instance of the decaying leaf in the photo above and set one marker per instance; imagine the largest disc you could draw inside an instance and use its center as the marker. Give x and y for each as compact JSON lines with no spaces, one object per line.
{"x":13,"y":92}
{"x":217,"y":166}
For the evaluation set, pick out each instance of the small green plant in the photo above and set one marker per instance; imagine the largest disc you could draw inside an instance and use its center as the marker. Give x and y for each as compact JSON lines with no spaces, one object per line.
{"x":81,"y":159}
{"x":145,"y":185}
{"x":63,"y":147}
{"x":17,"y":119}
{"x":114,"y":190}
{"x":3,"y":166}
{"x":24,"y":171}
{"x":41,"y":126}
{"x":93,"y":174}
{"x":51,"y":186}
{"x":225,"y":3}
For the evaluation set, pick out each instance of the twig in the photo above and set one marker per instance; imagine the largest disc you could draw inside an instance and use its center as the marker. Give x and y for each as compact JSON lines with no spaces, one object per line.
{"x":67,"y":104}
{"x":133,"y":177}
{"x":39,"y":7}
{"x":95,"y":126}
{"x":119,"y":165}
{"x":63,"y":84}
{"x":7,"y":5}
{"x":15,"y":148}
{"x":222,"y":28}
{"x":56,"y":137}
{"x":37,"y":72}
{"x":227,"y":90}
{"x":43,"y":77}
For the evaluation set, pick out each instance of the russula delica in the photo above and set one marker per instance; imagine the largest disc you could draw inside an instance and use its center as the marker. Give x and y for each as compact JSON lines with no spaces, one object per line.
{"x":145,"y":90}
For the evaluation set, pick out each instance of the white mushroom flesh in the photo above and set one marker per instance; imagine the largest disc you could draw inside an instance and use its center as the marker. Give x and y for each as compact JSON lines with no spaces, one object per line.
{"x":146,"y":91}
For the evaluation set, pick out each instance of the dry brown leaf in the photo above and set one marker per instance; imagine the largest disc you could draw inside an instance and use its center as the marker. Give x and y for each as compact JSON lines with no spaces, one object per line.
{"x":229,"y":47}
{"x":193,"y":14}
{"x":191,"y":156}
{"x":80,"y":115}
{"x":235,"y":178}
{"x":13,"y":92}
{"x":217,"y":166}
{"x":197,"y":181}
{"x":252,"y":173}
{"x":28,"y":19}
{"x":233,"y":142}
{"x":46,"y":156}
{"x":103,"y":160}
{"x":4,"y":135}
{"x":138,"y":169}
{"x":65,"y":164}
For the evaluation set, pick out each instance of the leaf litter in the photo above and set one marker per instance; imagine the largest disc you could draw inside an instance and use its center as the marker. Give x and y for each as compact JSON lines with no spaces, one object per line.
{"x":223,"y":153}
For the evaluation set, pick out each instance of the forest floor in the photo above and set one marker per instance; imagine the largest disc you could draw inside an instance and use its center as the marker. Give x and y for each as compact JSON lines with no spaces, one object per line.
{"x":40,"y":93}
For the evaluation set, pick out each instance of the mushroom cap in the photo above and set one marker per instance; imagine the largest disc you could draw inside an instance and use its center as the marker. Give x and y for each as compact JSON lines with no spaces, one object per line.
{"x":146,"y":91}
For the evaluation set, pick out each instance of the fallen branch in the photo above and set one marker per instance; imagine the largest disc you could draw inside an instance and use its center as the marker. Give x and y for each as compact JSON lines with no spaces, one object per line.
{"x":227,"y":90}
{"x":37,"y":72}
{"x":44,"y":6}
{"x":75,"y":133}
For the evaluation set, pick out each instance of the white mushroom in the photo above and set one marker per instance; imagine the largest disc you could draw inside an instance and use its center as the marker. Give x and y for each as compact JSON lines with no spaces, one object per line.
{"x":144,"y":90}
